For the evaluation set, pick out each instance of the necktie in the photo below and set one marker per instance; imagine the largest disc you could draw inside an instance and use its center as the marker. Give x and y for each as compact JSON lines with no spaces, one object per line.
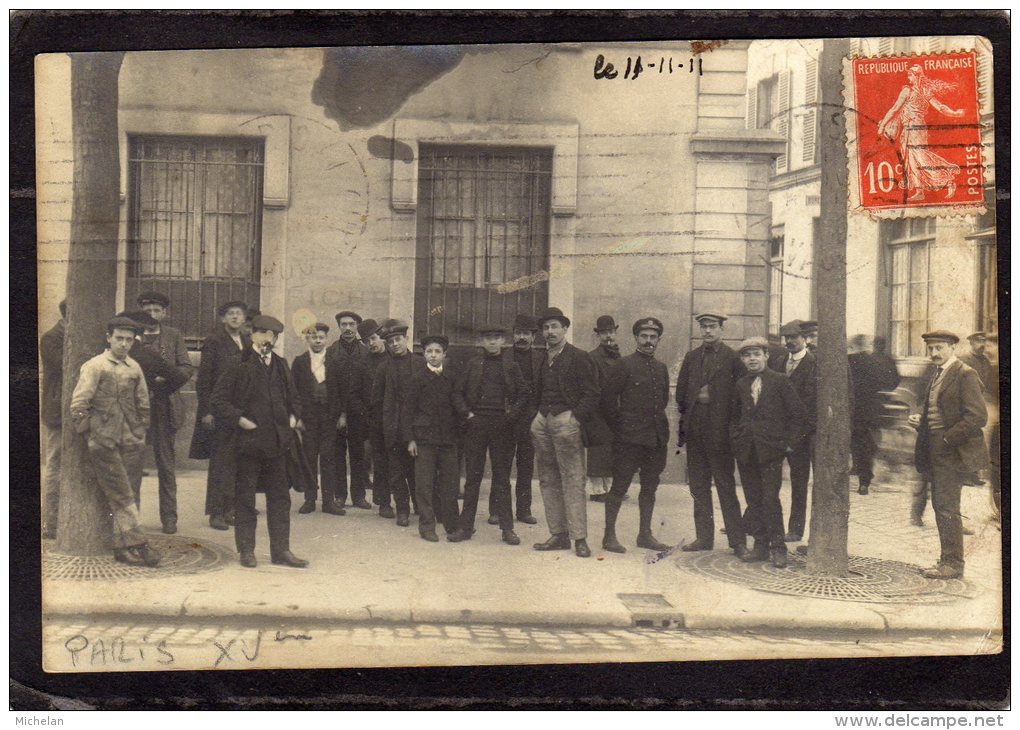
{"x":934,"y":381}
{"x":756,"y":389}
{"x":267,"y":359}
{"x":791,"y":365}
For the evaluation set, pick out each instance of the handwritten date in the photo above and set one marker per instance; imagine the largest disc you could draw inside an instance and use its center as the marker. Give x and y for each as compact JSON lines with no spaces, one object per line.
{"x":635,"y":67}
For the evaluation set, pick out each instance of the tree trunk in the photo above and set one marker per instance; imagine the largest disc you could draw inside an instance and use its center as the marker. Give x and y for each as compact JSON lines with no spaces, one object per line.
{"x":84,"y":523}
{"x":830,"y":507}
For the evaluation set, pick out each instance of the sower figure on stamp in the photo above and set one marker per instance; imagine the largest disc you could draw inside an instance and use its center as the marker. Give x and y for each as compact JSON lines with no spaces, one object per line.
{"x":491,"y":394}
{"x":343,"y":356}
{"x":165,"y":400}
{"x":364,"y":413}
{"x":635,"y":393}
{"x":869,"y":376}
{"x":110,"y":408}
{"x":392,"y":384}
{"x":950,"y":443}
{"x":430,"y":424}
{"x":51,"y":352}
{"x":528,"y":361}
{"x":258,"y":398}
{"x":599,"y":464}
{"x":309,"y":371}
{"x":767,"y":422}
{"x":801,"y":367}
{"x":704,"y":391}
{"x":221,"y":350}
{"x":567,"y":391}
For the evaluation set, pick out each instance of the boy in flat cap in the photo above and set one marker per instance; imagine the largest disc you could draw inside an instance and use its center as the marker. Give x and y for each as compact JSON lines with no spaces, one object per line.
{"x":166,"y":401}
{"x":392,"y":383}
{"x":950,"y":443}
{"x":704,"y":392}
{"x":258,"y":399}
{"x":767,"y":421}
{"x":110,"y":408}
{"x":310,"y":371}
{"x":491,"y":394}
{"x":364,"y":414}
{"x":342,"y":358}
{"x":599,"y":462}
{"x":223,"y":348}
{"x":634,"y":395}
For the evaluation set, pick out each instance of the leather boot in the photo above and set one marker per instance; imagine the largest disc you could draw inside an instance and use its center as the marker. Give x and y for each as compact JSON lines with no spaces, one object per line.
{"x":645,"y":538}
{"x":609,"y":541}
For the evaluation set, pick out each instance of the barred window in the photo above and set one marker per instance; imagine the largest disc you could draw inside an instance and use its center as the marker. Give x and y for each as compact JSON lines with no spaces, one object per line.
{"x":909,"y":242}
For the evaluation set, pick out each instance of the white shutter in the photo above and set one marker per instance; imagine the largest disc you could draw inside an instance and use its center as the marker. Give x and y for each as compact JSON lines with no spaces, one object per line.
{"x":855,"y":47}
{"x":885,"y":46}
{"x":984,"y":80}
{"x":810,"y":117}
{"x":783,"y":120}
{"x":936,"y":44}
{"x":751,"y":120}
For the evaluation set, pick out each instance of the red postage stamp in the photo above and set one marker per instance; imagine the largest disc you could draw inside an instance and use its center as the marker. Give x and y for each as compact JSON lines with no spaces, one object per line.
{"x":914,"y":135}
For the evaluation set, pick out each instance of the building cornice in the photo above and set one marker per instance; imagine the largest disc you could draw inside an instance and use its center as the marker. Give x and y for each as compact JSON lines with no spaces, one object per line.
{"x":801,"y":176}
{"x":754,"y":142}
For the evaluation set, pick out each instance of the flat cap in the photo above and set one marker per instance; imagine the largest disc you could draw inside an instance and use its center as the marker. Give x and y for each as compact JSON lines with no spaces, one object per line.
{"x":440,"y":339}
{"x":940,"y":336}
{"x":348,"y":313}
{"x":490,"y":328}
{"x":720,"y":318}
{"x":647,"y":323}
{"x":978,"y":336}
{"x":808,"y":326}
{"x":392,"y":327}
{"x":793,"y":328}
{"x":267,"y":323}
{"x":752,"y":342}
{"x":993,"y":337}
{"x":124,"y":323}
{"x":153,"y":297}
{"x":525,"y":322}
{"x":251,"y":313}
{"x":222,"y":309}
{"x":140,"y":316}
{"x":605,"y":322}
{"x":316,"y":327}
{"x":367,"y":328}
{"x":553,"y":313}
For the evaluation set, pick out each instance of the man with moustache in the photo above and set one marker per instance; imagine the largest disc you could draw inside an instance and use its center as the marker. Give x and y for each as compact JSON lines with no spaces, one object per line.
{"x":310,"y":372}
{"x":810,"y":329}
{"x":567,"y":391}
{"x":392,"y":384}
{"x":222,"y":349}
{"x":634,"y":395}
{"x":950,"y":443}
{"x":528,"y":361}
{"x":767,"y":421}
{"x":166,"y":402}
{"x":704,"y":393}
{"x":600,"y":458}
{"x":342,"y":356}
{"x":257,"y":398}
{"x":978,"y":359}
{"x":800,"y":366}
{"x":365,"y":414}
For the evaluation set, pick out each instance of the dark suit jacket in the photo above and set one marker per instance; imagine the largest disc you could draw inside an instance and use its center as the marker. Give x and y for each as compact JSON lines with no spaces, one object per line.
{"x":962,"y":406}
{"x":869,"y":376}
{"x":390,"y":389}
{"x":582,"y":392}
{"x":805,"y":382}
{"x":773,"y":425}
{"x":51,"y":351}
{"x":219,"y":353}
{"x":469,"y":386}
{"x":536,"y":358}
{"x":635,"y":392}
{"x":987,"y":371}
{"x":431,"y":412}
{"x":711,"y":421}
{"x":242,"y":391}
{"x":340,"y":366}
{"x":361,"y":405}
{"x":304,"y":381}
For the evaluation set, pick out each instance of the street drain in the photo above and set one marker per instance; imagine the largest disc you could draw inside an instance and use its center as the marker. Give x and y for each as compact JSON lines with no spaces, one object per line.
{"x":181,"y":556}
{"x":651,"y":610}
{"x":869,"y":580}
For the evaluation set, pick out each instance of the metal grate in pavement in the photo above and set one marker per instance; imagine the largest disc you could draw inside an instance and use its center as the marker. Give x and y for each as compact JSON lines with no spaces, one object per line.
{"x":181,"y":556}
{"x":870,"y":580}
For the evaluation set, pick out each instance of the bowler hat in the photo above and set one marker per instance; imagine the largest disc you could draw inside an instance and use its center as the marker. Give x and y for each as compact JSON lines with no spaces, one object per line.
{"x":222,"y":309}
{"x":720,"y":318}
{"x":647,"y":323}
{"x":123,"y":323}
{"x":267,"y":323}
{"x":553,"y":313}
{"x":491,"y":328}
{"x":153,"y":297}
{"x":751,"y":342}
{"x":940,"y":336}
{"x":317,"y":327}
{"x":525,"y":322}
{"x":793,"y":328}
{"x":348,"y":313}
{"x":605,"y":322}
{"x":140,"y":316}
{"x":440,"y":339}
{"x":367,"y":328}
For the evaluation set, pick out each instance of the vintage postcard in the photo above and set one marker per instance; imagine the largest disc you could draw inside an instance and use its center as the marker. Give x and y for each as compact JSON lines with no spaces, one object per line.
{"x":517,"y":354}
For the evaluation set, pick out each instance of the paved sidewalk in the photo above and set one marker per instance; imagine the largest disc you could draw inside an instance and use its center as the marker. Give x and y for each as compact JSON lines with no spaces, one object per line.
{"x":364,"y":568}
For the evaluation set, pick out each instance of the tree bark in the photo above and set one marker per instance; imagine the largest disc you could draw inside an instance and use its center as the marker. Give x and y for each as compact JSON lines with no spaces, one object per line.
{"x":84,"y":523}
{"x":830,"y":507}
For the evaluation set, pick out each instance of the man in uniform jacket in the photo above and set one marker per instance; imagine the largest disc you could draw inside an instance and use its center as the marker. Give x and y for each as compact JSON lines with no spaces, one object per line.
{"x":869,"y":376}
{"x":51,"y":352}
{"x":257,"y":399}
{"x":768,"y":421}
{"x":430,"y":423}
{"x":391,"y":387}
{"x":801,"y":367}
{"x":634,"y":395}
{"x":567,"y":393}
{"x":166,"y":401}
{"x":978,"y":359}
{"x":704,"y":392}
{"x":600,"y":458}
{"x":343,"y":356}
{"x":491,"y":394}
{"x":223,"y":348}
{"x":310,"y":371}
{"x":528,"y":360}
{"x":950,"y":443}
{"x":364,"y":412}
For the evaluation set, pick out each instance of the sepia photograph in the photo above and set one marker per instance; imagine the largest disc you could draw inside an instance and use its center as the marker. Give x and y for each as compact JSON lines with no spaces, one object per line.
{"x":518,"y":354}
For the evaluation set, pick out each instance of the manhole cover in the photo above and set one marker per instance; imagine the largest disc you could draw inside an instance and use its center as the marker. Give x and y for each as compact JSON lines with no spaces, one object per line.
{"x":870,"y":580}
{"x":181,"y":556}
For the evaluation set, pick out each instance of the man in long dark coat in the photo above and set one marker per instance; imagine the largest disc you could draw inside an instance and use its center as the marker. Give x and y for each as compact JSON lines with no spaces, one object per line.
{"x":342,"y":357}
{"x":599,"y":462}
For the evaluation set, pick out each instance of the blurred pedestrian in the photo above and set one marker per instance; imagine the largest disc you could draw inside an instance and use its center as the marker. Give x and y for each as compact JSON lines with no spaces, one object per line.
{"x":51,"y":352}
